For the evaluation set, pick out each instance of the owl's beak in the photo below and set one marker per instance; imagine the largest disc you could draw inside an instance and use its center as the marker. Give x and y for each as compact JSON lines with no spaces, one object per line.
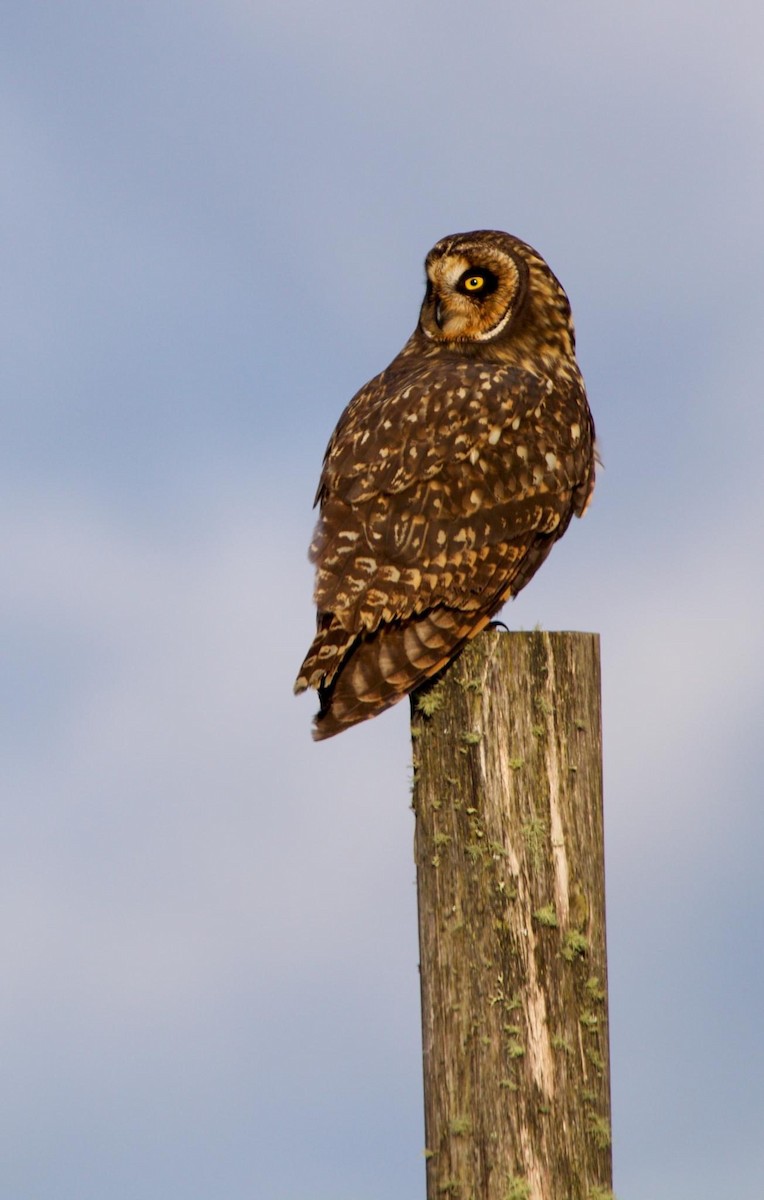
{"x":438,"y":314}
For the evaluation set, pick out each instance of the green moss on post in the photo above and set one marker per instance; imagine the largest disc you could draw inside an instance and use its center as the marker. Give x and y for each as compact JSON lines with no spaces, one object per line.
{"x":514,"y":1007}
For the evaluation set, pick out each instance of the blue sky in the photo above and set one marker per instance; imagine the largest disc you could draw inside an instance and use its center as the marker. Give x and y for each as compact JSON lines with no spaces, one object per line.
{"x":215,"y":219}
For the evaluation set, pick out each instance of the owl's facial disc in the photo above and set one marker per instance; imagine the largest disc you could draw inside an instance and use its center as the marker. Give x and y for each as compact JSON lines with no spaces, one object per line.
{"x":469,"y":300}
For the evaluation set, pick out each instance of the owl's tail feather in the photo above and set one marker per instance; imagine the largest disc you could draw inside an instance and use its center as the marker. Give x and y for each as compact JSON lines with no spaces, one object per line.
{"x":331,"y":646}
{"x":385,"y":666}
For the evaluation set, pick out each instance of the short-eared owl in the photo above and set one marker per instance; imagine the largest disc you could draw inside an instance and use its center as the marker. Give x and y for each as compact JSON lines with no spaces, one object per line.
{"x":448,"y":479}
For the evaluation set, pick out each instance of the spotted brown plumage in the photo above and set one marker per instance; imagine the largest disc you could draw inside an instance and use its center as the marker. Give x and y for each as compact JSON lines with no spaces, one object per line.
{"x":448,"y":479}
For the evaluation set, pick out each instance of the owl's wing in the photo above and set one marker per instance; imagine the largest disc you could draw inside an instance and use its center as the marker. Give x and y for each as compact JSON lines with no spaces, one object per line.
{"x":441,"y":495}
{"x":446,"y":489}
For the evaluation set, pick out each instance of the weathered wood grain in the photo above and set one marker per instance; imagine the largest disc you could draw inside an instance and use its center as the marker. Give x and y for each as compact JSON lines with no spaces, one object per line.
{"x":510,"y":873}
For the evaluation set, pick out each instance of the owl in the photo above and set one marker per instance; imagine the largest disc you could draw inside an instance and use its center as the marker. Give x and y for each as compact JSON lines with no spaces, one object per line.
{"x":448,"y":479}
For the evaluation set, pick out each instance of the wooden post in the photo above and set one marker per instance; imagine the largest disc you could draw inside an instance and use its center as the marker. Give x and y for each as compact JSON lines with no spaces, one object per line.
{"x":510,"y":876}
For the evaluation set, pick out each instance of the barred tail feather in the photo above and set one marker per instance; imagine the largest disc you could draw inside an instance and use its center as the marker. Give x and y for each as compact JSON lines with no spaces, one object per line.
{"x":331,"y":646}
{"x":388,"y":664}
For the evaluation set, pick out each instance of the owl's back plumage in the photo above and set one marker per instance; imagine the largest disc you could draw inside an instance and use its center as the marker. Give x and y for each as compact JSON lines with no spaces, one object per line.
{"x":448,"y":478}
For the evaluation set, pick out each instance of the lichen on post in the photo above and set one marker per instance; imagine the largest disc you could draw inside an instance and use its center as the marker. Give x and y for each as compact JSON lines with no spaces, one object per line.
{"x":510,"y":875}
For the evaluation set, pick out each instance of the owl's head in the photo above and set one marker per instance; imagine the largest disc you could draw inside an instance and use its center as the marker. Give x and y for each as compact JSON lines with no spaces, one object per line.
{"x":490,"y":288}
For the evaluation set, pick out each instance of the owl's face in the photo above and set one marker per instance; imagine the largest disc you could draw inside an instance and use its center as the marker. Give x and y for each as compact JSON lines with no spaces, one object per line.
{"x":488,"y":291}
{"x":476,"y":285}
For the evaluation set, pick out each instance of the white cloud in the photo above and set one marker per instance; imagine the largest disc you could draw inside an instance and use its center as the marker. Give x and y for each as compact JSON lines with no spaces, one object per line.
{"x":218,"y":230}
{"x":182,"y":844}
{"x":181,"y":807}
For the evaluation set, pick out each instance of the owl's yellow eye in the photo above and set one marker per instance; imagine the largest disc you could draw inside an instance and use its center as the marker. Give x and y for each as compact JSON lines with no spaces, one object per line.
{"x":478,"y":282}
